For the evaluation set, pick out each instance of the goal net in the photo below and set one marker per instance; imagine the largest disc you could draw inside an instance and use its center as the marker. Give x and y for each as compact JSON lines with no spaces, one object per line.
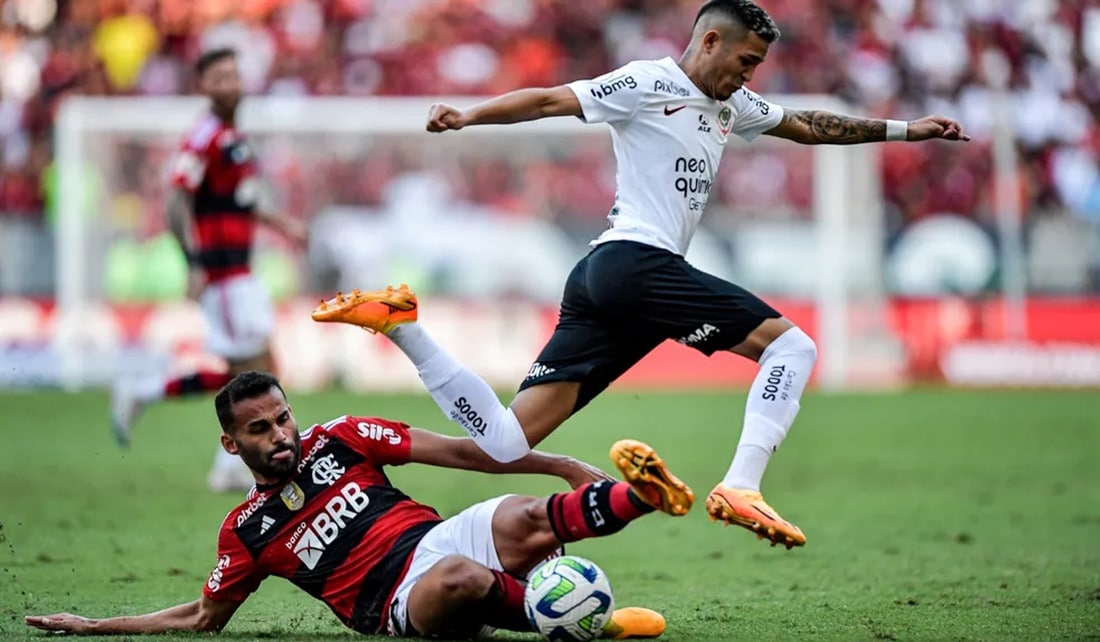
{"x":490,"y":212}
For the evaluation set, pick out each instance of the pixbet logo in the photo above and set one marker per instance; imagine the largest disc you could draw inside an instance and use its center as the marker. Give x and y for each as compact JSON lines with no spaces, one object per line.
{"x":321,"y":442}
{"x":250,"y":509}
{"x":669,"y":87}
{"x":310,"y":540}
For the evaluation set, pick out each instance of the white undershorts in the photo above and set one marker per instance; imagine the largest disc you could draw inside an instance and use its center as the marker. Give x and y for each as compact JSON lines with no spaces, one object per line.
{"x":469,"y":534}
{"x":239,"y":317}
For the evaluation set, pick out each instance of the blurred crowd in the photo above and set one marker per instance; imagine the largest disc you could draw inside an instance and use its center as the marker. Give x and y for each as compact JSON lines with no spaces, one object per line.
{"x":896,"y":58}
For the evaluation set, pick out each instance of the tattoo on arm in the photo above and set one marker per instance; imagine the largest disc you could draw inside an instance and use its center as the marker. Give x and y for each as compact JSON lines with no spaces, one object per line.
{"x":822,"y":127}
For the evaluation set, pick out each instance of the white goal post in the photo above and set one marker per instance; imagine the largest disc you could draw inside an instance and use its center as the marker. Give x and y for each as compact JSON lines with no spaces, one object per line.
{"x":847,"y":218}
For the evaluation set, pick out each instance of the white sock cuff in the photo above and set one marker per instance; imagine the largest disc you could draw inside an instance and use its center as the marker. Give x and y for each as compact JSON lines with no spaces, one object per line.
{"x":794,"y":341}
{"x":762,"y":432}
{"x":508,"y":442}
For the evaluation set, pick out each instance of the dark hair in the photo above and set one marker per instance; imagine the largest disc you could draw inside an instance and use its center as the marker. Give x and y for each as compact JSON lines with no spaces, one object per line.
{"x":745,"y":12}
{"x":246,"y":385}
{"x":208,"y":58}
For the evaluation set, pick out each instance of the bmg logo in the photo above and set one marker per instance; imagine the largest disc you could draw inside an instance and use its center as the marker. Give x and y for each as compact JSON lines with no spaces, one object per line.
{"x":614,"y":85}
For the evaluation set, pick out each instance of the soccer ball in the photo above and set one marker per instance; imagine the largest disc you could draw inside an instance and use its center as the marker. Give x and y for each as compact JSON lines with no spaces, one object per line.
{"x":568,"y":599}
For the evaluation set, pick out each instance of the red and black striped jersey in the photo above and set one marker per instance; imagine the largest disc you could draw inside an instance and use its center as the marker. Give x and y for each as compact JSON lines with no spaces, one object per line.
{"x":216,"y":166}
{"x":338,"y":529}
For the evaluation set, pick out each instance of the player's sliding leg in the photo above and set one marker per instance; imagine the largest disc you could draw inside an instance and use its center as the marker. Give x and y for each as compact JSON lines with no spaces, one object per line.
{"x":786,"y":356}
{"x":130,"y":398}
{"x":461,"y":394}
{"x":458,"y":594}
{"x":459,"y":597}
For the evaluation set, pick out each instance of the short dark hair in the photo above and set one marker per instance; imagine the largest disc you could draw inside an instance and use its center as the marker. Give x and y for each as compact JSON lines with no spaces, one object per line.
{"x":247,"y":385}
{"x":209,"y":58}
{"x":749,"y":15}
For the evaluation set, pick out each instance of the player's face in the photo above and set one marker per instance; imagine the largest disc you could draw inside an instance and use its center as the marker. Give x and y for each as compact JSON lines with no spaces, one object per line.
{"x":735,"y":62}
{"x":265,"y":436}
{"x":222,"y":83}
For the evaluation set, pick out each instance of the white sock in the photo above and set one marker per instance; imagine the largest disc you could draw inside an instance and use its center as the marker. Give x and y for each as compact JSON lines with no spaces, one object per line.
{"x":148,"y":389}
{"x":772,"y":405}
{"x":462,"y":395}
{"x":223,"y":461}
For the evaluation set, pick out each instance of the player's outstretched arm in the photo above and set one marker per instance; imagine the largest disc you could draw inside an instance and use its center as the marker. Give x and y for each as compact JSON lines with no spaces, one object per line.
{"x":463,"y":454}
{"x":202,"y":615}
{"x":513,"y":107}
{"x":292,"y":229}
{"x":812,"y":127}
{"x":181,"y":223}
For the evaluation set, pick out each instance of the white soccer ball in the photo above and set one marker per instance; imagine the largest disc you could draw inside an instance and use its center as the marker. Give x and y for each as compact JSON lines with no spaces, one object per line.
{"x":569,"y":599}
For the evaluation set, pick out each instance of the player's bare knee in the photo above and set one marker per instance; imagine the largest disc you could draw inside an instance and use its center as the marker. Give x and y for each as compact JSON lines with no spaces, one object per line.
{"x":462,"y":578}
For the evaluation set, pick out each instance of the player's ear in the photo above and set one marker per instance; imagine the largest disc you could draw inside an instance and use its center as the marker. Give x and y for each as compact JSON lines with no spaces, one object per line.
{"x":229,"y":445}
{"x":711,"y":40}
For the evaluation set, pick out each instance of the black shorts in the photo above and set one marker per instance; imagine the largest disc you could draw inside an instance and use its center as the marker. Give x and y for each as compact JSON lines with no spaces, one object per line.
{"x":623,"y":299}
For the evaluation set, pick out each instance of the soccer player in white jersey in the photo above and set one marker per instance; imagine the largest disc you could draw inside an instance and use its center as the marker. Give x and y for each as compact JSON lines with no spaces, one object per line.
{"x":670,"y":121}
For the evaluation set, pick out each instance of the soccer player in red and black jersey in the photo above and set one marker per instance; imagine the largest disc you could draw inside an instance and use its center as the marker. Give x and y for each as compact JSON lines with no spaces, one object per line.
{"x":213,"y":208}
{"x":324,"y":516}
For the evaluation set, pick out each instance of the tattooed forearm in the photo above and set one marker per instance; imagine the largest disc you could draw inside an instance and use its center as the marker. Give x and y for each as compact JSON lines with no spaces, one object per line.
{"x":822,"y":127}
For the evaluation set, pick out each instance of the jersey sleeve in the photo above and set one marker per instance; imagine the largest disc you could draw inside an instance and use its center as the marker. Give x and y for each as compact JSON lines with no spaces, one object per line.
{"x":236,"y":574}
{"x":754,"y":114}
{"x":384,"y":442}
{"x":613,"y":97}
{"x":190,"y":162}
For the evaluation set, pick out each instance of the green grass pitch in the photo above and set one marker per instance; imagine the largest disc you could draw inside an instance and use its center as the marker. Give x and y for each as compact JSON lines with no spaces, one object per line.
{"x":931,"y":515}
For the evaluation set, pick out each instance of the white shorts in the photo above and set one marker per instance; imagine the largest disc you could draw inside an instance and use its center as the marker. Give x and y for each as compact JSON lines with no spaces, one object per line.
{"x":469,"y":534}
{"x":239,"y":317}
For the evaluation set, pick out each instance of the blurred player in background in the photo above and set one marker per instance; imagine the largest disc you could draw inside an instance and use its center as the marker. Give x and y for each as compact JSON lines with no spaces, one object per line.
{"x":212,"y":209}
{"x":670,"y":121}
{"x":324,"y":515}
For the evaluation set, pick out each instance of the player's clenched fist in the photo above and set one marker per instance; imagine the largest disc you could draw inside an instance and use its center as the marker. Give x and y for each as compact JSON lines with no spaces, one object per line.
{"x":442,"y":117}
{"x":931,"y":127}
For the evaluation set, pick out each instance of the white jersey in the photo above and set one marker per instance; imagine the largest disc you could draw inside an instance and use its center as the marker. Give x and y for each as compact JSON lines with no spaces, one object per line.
{"x":668,"y":139}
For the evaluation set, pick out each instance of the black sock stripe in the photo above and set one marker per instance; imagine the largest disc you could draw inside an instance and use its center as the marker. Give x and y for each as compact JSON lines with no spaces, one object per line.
{"x":553,"y":514}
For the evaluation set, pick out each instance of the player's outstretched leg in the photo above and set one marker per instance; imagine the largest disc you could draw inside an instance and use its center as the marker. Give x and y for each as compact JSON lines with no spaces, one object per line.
{"x":786,"y":356}
{"x":130,"y":398}
{"x":461,"y":394}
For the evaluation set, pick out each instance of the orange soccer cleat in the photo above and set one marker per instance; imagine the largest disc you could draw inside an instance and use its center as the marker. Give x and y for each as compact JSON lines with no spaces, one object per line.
{"x":747,"y":508}
{"x":634,"y":622}
{"x":650,"y":478}
{"x":378,"y":311}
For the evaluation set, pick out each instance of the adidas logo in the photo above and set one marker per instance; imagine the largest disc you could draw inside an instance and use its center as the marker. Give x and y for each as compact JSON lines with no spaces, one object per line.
{"x":266,"y":523}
